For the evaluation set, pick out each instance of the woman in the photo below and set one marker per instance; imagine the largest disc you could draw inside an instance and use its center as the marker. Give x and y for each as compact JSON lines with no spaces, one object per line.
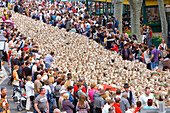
{"x":150,"y":37}
{"x":67,"y":106}
{"x":16,"y":80}
{"x":68,"y":81}
{"x":163,"y":44}
{"x":29,"y":86}
{"x":82,"y":105}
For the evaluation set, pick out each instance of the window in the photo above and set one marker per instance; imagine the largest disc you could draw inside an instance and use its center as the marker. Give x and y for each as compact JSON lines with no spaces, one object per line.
{"x":152,"y":14}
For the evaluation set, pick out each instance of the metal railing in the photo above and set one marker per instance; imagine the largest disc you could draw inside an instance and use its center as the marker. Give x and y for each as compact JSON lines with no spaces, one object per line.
{"x":161,"y":109}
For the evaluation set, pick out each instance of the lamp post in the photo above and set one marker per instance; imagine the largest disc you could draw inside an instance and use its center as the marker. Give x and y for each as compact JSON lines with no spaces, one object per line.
{"x":2,"y":48}
{"x":167,"y":10}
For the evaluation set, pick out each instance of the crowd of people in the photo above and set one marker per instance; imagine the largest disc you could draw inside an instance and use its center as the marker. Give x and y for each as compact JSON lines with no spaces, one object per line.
{"x":74,"y":17}
{"x":59,"y":82}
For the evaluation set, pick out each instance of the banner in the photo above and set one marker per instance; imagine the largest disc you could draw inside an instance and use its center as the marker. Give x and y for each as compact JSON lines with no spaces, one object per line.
{"x":11,"y":4}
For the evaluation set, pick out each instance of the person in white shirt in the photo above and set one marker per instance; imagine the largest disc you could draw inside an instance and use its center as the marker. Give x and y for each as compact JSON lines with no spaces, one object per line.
{"x":108,"y":107}
{"x":147,"y":95}
{"x":29,"y":86}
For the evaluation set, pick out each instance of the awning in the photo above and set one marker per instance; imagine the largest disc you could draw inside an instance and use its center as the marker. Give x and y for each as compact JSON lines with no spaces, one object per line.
{"x":155,"y":2}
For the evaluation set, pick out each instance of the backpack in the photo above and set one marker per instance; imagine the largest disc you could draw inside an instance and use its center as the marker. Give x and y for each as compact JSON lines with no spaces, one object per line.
{"x":57,"y":91}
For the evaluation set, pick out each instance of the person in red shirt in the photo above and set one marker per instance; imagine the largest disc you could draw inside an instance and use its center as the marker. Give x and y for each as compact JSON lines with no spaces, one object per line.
{"x":139,"y":104}
{"x":117,"y":105}
{"x":25,"y":48}
{"x":115,"y":47}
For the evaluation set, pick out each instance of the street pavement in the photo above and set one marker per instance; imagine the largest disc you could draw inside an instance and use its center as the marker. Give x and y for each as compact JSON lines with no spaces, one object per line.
{"x":4,"y":83}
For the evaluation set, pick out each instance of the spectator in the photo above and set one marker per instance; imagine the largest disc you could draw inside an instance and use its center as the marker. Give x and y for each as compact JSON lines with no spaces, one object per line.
{"x":99,"y":101}
{"x":124,"y":103}
{"x":139,"y":104}
{"x":29,"y":87}
{"x":41,"y":103}
{"x":117,"y":105}
{"x":66,"y":104}
{"x":69,"y":91}
{"x":16,"y":78}
{"x":49,"y":59}
{"x":108,"y":108}
{"x":154,"y":58}
{"x":4,"y":106}
{"x":82,"y":105}
{"x":79,"y":91}
{"x":130,"y":97}
{"x":150,"y":103}
{"x":37,"y":85}
{"x":147,"y":95}
{"x":126,"y":53}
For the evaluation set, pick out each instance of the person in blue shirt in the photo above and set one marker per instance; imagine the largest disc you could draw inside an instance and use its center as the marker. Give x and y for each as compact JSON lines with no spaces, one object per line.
{"x":49,"y":59}
{"x":69,"y":91}
{"x":150,"y":103}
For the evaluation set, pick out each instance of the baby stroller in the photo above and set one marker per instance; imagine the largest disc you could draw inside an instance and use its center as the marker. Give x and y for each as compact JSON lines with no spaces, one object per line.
{"x":19,"y":99}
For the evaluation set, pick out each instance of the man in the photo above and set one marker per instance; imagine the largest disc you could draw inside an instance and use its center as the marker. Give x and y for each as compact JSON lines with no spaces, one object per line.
{"x":117,"y":105}
{"x":69,"y":91}
{"x":37,"y":85}
{"x":147,"y":95}
{"x":27,"y":70}
{"x":3,"y":100}
{"x":150,"y":103}
{"x":41,"y":104}
{"x":49,"y":59}
{"x":79,"y":91}
{"x":154,"y":57}
{"x":116,"y":24}
{"x":99,"y":101}
{"x":130,"y":98}
{"x":124,"y":103}
{"x":3,"y":91}
{"x":126,"y":53}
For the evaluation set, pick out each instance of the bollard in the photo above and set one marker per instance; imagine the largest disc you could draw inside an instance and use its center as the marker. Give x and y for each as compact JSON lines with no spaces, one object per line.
{"x":161,"y":107}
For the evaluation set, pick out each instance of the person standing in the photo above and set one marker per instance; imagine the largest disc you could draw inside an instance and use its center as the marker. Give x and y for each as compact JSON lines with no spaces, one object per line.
{"x":41,"y":103}
{"x":130,"y":97}
{"x":69,"y":91}
{"x":150,"y":37}
{"x":4,"y":106}
{"x":82,"y":105}
{"x":99,"y":101}
{"x":16,"y":80}
{"x":126,"y":53}
{"x":49,"y":59}
{"x":29,"y":87}
{"x":124,"y":103}
{"x":67,"y":106}
{"x":117,"y":105}
{"x":147,"y":95}
{"x":154,"y":57}
{"x":37,"y":85}
{"x":163,"y":45}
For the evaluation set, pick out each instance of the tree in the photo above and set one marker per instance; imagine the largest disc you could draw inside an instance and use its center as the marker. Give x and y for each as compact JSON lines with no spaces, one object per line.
{"x":118,"y":9}
{"x":135,"y":11}
{"x":164,"y":26}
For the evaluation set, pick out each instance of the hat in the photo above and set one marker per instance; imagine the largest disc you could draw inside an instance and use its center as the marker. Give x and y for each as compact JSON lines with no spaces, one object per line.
{"x":101,"y":92}
{"x":126,"y":85}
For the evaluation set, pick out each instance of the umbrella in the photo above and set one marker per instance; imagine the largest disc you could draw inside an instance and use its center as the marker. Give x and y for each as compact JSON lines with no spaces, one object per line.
{"x":105,"y":87}
{"x":9,"y":21}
